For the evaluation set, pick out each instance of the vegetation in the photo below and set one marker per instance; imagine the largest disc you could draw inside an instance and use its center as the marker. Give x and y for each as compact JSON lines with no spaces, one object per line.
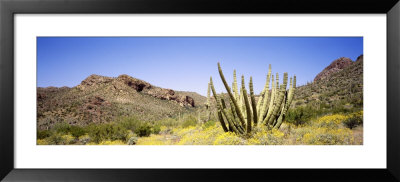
{"x":323,"y":112}
{"x":244,"y":112}
{"x":331,"y":129}
{"x":121,"y":130}
{"x":325,"y":130}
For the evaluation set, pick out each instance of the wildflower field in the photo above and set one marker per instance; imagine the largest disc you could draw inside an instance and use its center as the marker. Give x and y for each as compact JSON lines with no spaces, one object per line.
{"x":331,"y":129}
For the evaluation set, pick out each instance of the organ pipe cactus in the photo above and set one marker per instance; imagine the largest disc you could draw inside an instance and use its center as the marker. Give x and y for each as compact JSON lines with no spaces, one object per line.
{"x":208,"y":103}
{"x":244,"y":112}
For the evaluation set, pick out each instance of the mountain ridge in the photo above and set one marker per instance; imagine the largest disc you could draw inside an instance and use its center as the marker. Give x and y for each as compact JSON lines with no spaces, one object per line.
{"x":99,"y":99}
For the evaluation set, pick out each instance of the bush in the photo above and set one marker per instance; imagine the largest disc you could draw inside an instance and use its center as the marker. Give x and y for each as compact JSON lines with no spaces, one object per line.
{"x":62,"y":128}
{"x":41,"y":134}
{"x":156,"y":129}
{"x":109,"y":131}
{"x":41,"y":142}
{"x":65,"y":128}
{"x":67,"y":139}
{"x":208,"y":124}
{"x":325,"y":136}
{"x":300,"y":115}
{"x":330,"y":121}
{"x":77,"y":131}
{"x":84,"y":139}
{"x":143,"y":130}
{"x":129,"y":123}
{"x":168,"y":122}
{"x":189,"y":121}
{"x":264,"y":136}
{"x":55,"y":139}
{"x":354,"y":120}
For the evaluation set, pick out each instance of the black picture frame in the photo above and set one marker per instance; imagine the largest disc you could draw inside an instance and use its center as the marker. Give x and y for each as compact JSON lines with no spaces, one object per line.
{"x":8,"y":8}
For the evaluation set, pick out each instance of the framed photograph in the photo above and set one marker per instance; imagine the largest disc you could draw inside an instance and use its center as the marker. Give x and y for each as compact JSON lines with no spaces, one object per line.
{"x":177,"y":90}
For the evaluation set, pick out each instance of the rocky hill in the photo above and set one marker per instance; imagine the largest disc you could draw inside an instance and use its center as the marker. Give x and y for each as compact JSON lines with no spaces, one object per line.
{"x":100,"y":99}
{"x":338,"y":85}
{"x":336,"y":66}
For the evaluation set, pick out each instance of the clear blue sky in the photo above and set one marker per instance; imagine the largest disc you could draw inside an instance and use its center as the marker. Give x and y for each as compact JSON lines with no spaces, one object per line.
{"x":186,"y":63}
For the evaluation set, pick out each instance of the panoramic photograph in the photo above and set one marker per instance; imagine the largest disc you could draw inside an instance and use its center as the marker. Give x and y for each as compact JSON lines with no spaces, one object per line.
{"x":199,"y":91}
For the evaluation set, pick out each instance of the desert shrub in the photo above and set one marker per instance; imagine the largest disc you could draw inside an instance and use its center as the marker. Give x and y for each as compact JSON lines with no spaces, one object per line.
{"x":62,"y":128}
{"x":132,"y":140}
{"x":168,"y":122}
{"x":84,"y":139}
{"x":77,"y":131}
{"x":330,"y":121}
{"x":41,"y":134}
{"x":65,"y":128}
{"x":189,"y":121}
{"x":326,"y":136}
{"x":67,"y":139}
{"x":143,"y":130}
{"x":264,"y":136}
{"x":129,"y":123}
{"x":55,"y":139}
{"x":109,"y":131}
{"x":156,"y":129}
{"x":339,"y":120}
{"x":41,"y":142}
{"x":340,"y":108}
{"x":299,"y":115}
{"x":354,"y":120}
{"x":208,"y":124}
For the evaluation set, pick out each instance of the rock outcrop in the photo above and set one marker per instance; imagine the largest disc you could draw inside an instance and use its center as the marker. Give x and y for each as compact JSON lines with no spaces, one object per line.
{"x":134,"y":83}
{"x":336,"y":66}
{"x":360,"y":58}
{"x":124,"y":80}
{"x":94,"y":80}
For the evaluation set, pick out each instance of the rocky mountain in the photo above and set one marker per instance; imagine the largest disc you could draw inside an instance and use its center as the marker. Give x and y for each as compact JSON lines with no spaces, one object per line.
{"x":336,"y":66}
{"x":339,"y":85}
{"x":100,"y":99}
{"x":119,"y":84}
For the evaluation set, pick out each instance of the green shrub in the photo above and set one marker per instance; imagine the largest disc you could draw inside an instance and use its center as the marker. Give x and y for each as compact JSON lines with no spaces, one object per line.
{"x":65,"y":128}
{"x":189,"y":121}
{"x":300,"y":115}
{"x":208,"y":124}
{"x":62,"y":128}
{"x":77,"y":131}
{"x":354,"y":120}
{"x":168,"y":122}
{"x":156,"y":129}
{"x":41,"y":134}
{"x":109,"y":131}
{"x":129,"y":123}
{"x":143,"y":130}
{"x":55,"y":139}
